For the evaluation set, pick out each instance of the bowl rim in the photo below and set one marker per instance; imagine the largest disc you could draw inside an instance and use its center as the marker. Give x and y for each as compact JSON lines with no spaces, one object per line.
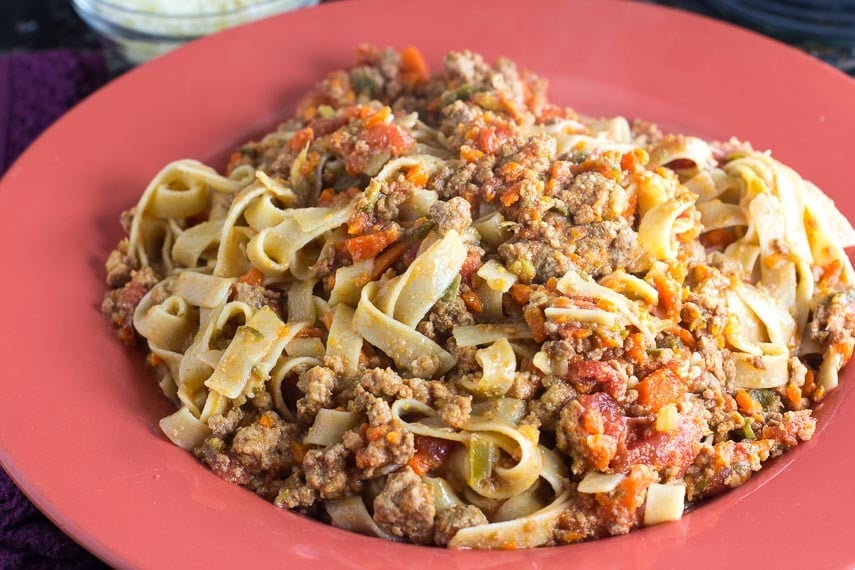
{"x":91,"y":12}
{"x":255,"y":6}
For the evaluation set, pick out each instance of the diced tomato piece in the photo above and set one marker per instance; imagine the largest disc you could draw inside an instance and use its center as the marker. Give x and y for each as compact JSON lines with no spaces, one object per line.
{"x":431,"y":452}
{"x":589,"y":376}
{"x":470,"y":265}
{"x":603,"y":415}
{"x":676,"y":449}
{"x":388,"y":137}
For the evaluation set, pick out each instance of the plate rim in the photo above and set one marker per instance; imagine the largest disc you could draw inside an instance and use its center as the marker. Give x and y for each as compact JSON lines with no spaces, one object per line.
{"x":22,"y":479}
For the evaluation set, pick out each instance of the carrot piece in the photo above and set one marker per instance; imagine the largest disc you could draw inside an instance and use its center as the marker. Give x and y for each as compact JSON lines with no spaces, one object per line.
{"x":718,"y":238}
{"x":299,"y":451}
{"x":234,"y":160}
{"x":376,"y":433}
{"x":417,"y":175}
{"x":469,"y":154}
{"x":326,"y":197}
{"x":414,"y":69}
{"x":472,"y":301}
{"x":310,"y":113}
{"x":385,"y":260}
{"x":669,"y":294}
{"x":659,"y":388}
{"x":264,"y":421}
{"x":629,"y":492}
{"x":512,"y":171}
{"x":684,"y":335}
{"x":810,"y":383}
{"x":369,"y":245}
{"x":377,"y":118}
{"x":301,"y":138}
{"x":794,"y":395}
{"x":359,"y":223}
{"x":510,"y":196}
{"x":419,"y":463}
{"x":580,"y":333}
{"x":634,"y":347}
{"x":535,"y":321}
{"x":634,"y":159}
{"x":521,"y":293}
{"x":747,"y":404}
{"x":488,"y":141}
{"x":252,"y":277}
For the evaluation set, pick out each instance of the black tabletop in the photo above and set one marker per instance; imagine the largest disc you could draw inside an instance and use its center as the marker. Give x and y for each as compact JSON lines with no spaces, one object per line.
{"x":42,"y":24}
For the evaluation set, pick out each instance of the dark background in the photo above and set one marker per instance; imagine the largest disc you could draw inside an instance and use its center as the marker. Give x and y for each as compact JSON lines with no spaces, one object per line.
{"x":27,"y":25}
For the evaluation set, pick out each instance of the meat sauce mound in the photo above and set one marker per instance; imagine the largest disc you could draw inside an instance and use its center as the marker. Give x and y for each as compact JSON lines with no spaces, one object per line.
{"x":660,"y":408}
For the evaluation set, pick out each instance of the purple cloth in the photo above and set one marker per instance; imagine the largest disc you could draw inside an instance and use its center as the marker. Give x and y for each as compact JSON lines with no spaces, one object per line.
{"x":35,"y":90}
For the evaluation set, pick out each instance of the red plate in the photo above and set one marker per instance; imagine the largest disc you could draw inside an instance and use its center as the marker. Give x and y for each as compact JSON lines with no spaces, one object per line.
{"x":78,"y":414}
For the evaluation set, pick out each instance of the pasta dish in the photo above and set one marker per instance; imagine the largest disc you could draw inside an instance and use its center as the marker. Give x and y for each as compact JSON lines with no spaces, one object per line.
{"x":443,"y":310}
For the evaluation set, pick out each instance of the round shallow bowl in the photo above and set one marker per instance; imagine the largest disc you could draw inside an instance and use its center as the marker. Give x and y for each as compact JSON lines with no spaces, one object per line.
{"x":78,"y":416}
{"x":139,"y":30}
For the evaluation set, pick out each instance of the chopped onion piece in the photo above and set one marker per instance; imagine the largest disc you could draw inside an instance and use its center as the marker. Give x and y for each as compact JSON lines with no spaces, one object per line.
{"x":491,"y":229}
{"x":664,"y":503}
{"x":418,"y":204}
{"x":496,"y":276}
{"x":547,"y":365}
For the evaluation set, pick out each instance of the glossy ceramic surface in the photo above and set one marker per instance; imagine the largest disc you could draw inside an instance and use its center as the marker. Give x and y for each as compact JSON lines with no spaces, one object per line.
{"x":78,"y":412}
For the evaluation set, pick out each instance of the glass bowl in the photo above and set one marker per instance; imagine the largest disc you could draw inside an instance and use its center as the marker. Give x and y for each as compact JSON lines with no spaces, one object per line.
{"x":139,"y":30}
